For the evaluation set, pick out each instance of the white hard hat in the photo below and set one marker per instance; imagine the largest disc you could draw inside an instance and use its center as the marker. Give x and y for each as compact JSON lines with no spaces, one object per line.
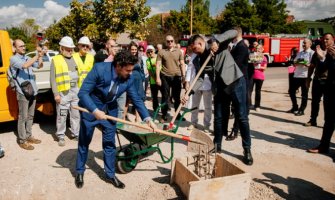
{"x":67,"y":42}
{"x":84,"y":40}
{"x":150,"y":47}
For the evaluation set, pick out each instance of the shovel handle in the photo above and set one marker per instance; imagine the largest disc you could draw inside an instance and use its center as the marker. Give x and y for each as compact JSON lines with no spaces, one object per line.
{"x":178,"y":136}
{"x":190,"y":88}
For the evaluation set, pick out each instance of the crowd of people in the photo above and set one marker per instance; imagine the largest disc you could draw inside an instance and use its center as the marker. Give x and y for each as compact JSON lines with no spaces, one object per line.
{"x":106,"y":82}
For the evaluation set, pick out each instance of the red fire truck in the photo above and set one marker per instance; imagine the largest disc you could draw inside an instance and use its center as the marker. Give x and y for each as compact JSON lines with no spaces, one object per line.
{"x":277,"y":48}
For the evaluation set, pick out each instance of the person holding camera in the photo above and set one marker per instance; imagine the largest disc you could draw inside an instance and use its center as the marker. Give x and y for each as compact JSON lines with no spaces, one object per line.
{"x":26,"y":90}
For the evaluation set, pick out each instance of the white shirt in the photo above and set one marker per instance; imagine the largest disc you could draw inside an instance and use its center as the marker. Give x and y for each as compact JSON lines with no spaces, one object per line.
{"x":301,"y":70}
{"x":191,"y":73}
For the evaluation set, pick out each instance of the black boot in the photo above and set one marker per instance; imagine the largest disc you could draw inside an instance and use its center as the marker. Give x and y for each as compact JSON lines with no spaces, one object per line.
{"x":233,"y":135}
{"x":79,"y":181}
{"x":247,"y":159}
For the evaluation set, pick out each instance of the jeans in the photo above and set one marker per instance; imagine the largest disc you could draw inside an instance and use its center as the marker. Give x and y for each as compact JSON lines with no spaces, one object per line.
{"x":26,"y":117}
{"x":222,"y":102}
{"x":258,"y":86}
{"x":174,"y":83}
{"x":299,"y":83}
{"x":318,"y":90}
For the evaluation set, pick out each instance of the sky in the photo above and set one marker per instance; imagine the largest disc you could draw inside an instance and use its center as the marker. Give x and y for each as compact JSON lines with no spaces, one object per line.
{"x":13,"y":12}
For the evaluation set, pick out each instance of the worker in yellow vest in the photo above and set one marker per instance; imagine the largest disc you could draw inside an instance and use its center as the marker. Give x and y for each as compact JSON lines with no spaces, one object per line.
{"x":67,"y":72}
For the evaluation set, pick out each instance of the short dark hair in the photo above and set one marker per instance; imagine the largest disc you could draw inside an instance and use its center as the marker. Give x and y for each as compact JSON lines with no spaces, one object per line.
{"x":124,"y":58}
{"x":328,"y":34}
{"x":193,"y":38}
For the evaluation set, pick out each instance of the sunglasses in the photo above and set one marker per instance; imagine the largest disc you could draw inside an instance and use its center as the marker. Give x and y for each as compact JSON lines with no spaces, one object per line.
{"x":85,"y":46}
{"x":149,"y":51}
{"x":169,"y":41}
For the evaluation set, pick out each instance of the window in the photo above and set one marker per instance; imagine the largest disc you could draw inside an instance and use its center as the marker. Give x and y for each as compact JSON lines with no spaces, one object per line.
{"x":320,"y":32}
{"x":311,"y":31}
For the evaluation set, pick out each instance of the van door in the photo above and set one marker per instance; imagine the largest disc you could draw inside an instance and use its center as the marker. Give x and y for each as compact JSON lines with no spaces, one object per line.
{"x":8,"y":102}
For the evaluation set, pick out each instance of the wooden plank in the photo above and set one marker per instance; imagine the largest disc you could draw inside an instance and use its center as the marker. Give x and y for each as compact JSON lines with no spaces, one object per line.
{"x":182,"y":176}
{"x":225,"y":168}
{"x":230,"y":187}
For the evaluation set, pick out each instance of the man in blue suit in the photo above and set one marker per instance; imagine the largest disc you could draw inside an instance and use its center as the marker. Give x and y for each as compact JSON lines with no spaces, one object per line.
{"x":98,"y":94}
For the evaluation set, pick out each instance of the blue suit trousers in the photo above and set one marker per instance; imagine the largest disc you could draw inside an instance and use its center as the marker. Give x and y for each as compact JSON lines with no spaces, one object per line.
{"x":108,"y":143}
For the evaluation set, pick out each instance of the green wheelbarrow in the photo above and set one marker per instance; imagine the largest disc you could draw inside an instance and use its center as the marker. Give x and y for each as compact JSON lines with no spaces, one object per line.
{"x":141,"y":142}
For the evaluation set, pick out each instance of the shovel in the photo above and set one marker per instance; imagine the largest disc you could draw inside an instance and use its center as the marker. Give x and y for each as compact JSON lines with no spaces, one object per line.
{"x":189,"y":90}
{"x":178,"y":136}
{"x":201,"y":136}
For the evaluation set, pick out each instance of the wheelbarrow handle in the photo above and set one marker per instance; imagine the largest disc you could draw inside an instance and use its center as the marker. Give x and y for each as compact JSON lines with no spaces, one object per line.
{"x":163,"y":132}
{"x":190,"y":88}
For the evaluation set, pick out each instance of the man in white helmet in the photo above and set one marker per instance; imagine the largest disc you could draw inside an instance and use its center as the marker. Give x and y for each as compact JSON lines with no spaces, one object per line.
{"x":66,"y":76}
{"x":83,"y":58}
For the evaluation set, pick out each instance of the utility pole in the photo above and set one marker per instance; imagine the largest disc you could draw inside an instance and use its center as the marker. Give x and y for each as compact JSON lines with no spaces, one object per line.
{"x":191,"y":21}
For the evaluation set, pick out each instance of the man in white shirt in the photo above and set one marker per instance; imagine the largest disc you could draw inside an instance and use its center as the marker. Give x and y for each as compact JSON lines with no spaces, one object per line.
{"x":205,"y":92}
{"x":302,"y":62}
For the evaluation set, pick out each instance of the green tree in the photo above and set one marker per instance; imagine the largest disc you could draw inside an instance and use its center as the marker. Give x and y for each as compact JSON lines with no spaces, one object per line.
{"x":29,"y":27}
{"x":100,"y":20}
{"x":26,"y":31}
{"x":156,"y":33}
{"x":294,"y":28}
{"x":273,"y":15}
{"x":239,"y":13}
{"x":203,"y":23}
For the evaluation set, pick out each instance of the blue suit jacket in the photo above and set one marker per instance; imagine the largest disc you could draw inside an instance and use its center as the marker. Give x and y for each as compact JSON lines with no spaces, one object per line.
{"x":95,"y":89}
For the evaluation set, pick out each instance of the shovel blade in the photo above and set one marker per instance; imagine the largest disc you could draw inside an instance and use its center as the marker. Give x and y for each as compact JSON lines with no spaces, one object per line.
{"x":201,"y":136}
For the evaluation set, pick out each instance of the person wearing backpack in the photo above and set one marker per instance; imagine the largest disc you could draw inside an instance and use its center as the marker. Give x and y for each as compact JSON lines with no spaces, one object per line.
{"x":21,"y":68}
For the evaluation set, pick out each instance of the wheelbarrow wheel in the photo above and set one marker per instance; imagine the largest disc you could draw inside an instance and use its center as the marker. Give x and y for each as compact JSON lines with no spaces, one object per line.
{"x":126,"y":162}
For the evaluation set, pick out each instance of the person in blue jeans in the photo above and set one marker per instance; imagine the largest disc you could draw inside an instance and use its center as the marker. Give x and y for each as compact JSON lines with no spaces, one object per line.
{"x":229,"y":85}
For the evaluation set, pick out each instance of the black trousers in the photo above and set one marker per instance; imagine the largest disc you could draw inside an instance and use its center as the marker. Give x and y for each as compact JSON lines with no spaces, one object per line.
{"x":296,"y":84}
{"x":318,"y":90}
{"x":329,"y":109}
{"x":257,"y":84}
{"x":174,"y":83}
{"x":154,"y":95}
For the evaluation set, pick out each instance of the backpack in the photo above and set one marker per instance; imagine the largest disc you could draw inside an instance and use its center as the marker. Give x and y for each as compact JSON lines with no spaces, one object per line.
{"x":11,"y":78}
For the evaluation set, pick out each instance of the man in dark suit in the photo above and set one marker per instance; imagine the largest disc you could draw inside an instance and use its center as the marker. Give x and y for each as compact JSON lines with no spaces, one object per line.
{"x":240,"y":53}
{"x":228,"y":85}
{"x":327,"y":62}
{"x":98,"y":94}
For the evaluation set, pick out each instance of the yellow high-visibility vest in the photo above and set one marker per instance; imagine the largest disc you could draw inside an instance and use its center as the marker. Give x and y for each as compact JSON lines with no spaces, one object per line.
{"x":62,"y":73}
{"x":83,"y":68}
{"x":62,"y":70}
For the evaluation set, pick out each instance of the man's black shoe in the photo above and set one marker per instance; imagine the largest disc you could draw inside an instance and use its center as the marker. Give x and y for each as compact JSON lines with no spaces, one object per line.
{"x":116,"y":182}
{"x":299,"y":113}
{"x":247,"y":159}
{"x":233,"y":135}
{"x":79,"y":180}
{"x":310,"y":123}
{"x":292,"y":110}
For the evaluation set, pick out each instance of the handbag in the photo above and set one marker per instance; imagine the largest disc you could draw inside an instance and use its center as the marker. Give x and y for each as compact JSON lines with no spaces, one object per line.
{"x":26,"y":86}
{"x":27,"y":89}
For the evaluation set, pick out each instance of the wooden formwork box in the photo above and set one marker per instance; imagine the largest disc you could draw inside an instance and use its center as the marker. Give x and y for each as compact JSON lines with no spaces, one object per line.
{"x":230,"y":182}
